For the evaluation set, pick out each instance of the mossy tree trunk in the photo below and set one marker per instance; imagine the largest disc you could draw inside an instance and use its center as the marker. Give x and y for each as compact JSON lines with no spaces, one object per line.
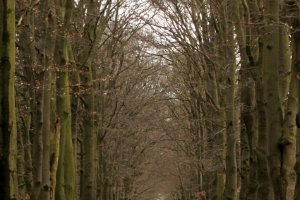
{"x":95,"y":19}
{"x":8,"y":128}
{"x":65,"y":177}
{"x":48,"y":62}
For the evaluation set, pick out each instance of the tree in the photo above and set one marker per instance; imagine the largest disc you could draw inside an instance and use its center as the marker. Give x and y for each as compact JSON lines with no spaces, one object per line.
{"x":8,"y":130}
{"x":66,"y":176}
{"x":127,"y":100}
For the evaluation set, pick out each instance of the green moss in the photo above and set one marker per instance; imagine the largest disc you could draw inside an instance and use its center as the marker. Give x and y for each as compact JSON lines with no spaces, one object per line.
{"x":65,"y":187}
{"x":220,"y":185}
{"x":8,"y":131}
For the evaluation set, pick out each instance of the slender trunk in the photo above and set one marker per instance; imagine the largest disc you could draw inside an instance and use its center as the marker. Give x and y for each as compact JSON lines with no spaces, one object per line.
{"x":21,"y":161}
{"x":27,"y":155}
{"x":37,"y":146}
{"x":272,"y":101}
{"x":230,"y":192}
{"x":296,"y":67}
{"x":88,"y":187}
{"x":48,"y":61}
{"x":54,"y":137}
{"x":248,"y":118}
{"x":284,"y":65}
{"x":29,"y":59}
{"x":65,"y":177}
{"x":8,"y":128}
{"x":288,"y":85}
{"x":288,"y":140}
{"x":65,"y":188}
{"x":89,"y":144}
{"x":265,"y":190}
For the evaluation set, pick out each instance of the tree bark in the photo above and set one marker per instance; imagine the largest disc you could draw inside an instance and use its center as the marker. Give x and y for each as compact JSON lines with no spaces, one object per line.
{"x":8,"y":128}
{"x":65,"y":177}
{"x":274,"y":113}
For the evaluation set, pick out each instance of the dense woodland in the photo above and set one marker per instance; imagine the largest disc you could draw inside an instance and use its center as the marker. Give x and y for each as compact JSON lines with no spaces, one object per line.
{"x":149,"y":99}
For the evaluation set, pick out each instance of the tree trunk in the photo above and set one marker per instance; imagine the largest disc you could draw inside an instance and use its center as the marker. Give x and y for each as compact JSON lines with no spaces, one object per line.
{"x":65,"y":187}
{"x":295,"y":22}
{"x":8,"y":128}
{"x":230,"y":192}
{"x":274,"y":113}
{"x":88,"y":187}
{"x":48,"y":61}
{"x":248,"y":118}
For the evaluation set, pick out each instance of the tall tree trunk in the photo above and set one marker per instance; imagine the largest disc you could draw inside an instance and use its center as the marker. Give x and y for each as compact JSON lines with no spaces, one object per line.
{"x":296,"y":41}
{"x":274,"y":113}
{"x":295,"y":23}
{"x":54,"y":138}
{"x":231,"y":164}
{"x":8,"y":128}
{"x":265,"y":189}
{"x":27,"y":155}
{"x":20,"y":160}
{"x":88,"y":186}
{"x":288,"y":85}
{"x":89,"y":142}
{"x":288,"y":140}
{"x":230,"y":192}
{"x":48,"y":61}
{"x":248,"y":118}
{"x":65,"y":187}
